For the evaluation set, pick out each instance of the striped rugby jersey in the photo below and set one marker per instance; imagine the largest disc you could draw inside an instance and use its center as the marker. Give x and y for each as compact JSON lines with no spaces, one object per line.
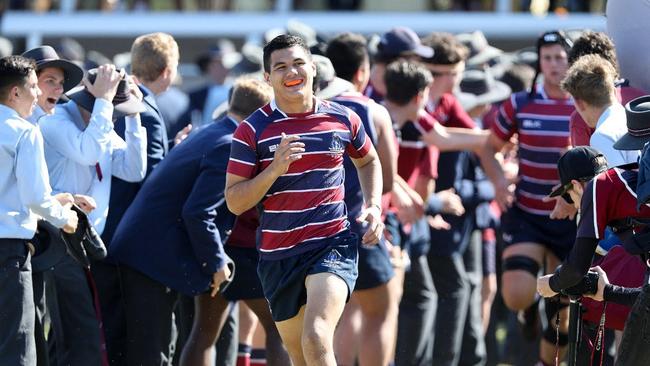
{"x":305,"y":206}
{"x":360,"y":104}
{"x":542,"y":125}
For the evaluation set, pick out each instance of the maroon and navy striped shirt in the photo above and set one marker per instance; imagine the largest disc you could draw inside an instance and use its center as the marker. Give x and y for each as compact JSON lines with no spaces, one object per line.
{"x":542,"y":125}
{"x":304,"y":207}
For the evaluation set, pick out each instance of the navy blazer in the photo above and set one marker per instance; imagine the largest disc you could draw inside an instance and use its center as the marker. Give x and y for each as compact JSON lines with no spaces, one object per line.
{"x":173,"y":230}
{"x":122,"y":192}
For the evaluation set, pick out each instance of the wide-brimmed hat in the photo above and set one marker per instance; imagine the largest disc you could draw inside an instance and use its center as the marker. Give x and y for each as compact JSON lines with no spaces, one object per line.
{"x":637,"y":113}
{"x":124,"y":102}
{"x":401,"y":41}
{"x":480,"y":51}
{"x":50,"y":246}
{"x":482,"y":84}
{"x":581,"y":163}
{"x":46,"y":56}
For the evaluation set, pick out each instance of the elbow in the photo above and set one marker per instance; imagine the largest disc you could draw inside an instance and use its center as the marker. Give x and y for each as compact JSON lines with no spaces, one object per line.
{"x":233,"y":205}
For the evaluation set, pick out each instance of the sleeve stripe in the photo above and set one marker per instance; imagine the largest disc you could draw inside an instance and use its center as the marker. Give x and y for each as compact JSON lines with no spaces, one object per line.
{"x":240,"y":141}
{"x":242,"y":162}
{"x":249,"y":125}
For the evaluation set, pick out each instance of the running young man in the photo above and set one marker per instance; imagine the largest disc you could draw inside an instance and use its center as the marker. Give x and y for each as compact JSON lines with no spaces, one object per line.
{"x":287,"y":158}
{"x":541,"y":120}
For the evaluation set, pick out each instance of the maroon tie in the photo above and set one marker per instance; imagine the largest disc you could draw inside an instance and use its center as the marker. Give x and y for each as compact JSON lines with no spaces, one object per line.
{"x":99,"y":172}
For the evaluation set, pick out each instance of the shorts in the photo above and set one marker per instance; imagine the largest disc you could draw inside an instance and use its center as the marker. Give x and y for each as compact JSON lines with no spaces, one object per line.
{"x":283,"y":280}
{"x":519,"y":226}
{"x":245,"y":285}
{"x":375,"y":268}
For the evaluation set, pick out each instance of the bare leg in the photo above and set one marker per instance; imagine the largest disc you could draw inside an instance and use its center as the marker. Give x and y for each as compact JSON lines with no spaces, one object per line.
{"x":348,"y":333}
{"x":291,"y":332}
{"x":209,"y":316}
{"x":488,"y":292}
{"x":276,"y":354}
{"x":379,"y":312}
{"x":326,"y":296}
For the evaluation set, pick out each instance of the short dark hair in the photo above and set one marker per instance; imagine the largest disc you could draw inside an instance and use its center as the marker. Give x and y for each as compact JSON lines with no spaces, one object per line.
{"x":279,"y":43}
{"x":404,"y":80}
{"x":594,"y":43}
{"x":14,"y":70}
{"x":348,"y":52}
{"x":447,"y":50}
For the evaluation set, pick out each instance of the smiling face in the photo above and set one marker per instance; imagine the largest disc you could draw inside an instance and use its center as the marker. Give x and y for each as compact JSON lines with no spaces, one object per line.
{"x":291,"y":76}
{"x":553,"y":62}
{"x":50,"y":81}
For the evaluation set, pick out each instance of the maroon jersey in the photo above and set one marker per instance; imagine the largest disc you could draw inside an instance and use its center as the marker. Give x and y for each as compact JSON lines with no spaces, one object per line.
{"x":450,"y":113}
{"x":610,"y":196}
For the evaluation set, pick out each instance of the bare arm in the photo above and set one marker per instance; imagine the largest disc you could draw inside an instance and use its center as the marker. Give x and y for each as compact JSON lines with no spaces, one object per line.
{"x":369,"y":170}
{"x":386,"y":149}
{"x":243,"y":193}
{"x":503,"y":189}
{"x":456,"y":139}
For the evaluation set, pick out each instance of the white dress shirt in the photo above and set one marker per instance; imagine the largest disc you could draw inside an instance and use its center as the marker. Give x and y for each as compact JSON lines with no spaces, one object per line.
{"x":25,"y":191}
{"x":611,"y":126}
{"x":73,"y":151}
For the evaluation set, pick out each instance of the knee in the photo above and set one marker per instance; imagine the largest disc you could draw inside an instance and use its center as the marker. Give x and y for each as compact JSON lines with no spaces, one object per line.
{"x":316,"y":337}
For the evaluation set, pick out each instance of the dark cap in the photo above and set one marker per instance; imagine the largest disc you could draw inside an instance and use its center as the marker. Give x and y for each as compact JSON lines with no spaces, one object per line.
{"x":402,"y":41}
{"x":637,"y":113}
{"x":580,"y":163}
{"x":554,"y":37}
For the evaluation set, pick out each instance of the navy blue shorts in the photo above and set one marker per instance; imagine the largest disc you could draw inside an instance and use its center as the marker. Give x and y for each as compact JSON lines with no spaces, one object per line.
{"x":519,"y":226}
{"x":283,"y":280}
{"x":375,"y":268}
{"x":245,"y":285}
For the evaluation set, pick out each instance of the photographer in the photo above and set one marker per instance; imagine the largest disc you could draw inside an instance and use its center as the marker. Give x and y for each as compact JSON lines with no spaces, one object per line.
{"x":610,"y":197}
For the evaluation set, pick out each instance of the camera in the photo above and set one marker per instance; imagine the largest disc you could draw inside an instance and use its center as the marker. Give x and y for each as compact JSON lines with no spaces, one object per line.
{"x":587,"y":286}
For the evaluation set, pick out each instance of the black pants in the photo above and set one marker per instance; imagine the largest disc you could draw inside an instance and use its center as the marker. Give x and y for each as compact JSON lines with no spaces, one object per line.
{"x":109,"y":287}
{"x":75,"y":328}
{"x":16,"y":305}
{"x":635,"y":345}
{"x":416,"y":316}
{"x":148,"y":309}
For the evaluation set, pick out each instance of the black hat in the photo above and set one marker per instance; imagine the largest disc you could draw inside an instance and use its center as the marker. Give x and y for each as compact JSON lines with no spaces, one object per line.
{"x":46,"y":56}
{"x":480,"y":51}
{"x":580,"y":163}
{"x":400,"y":41}
{"x":124,"y":102}
{"x":637,"y":113}
{"x":482,"y":85}
{"x":49,"y":245}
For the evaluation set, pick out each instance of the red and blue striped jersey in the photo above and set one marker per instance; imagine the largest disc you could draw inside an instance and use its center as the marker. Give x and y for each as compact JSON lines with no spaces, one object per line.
{"x":304,"y":207}
{"x":542,"y":125}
